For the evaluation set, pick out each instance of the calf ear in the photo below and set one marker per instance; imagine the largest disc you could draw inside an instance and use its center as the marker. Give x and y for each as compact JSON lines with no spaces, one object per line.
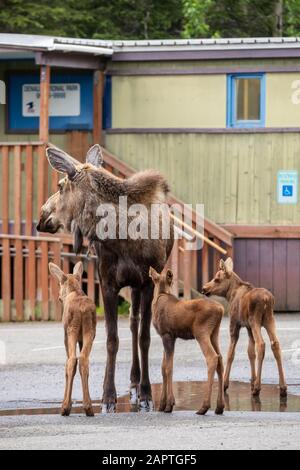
{"x":229,"y":266}
{"x":222,"y":265}
{"x":95,"y":156}
{"x":78,"y":270}
{"x":61,"y":162}
{"x":57,"y":272}
{"x":169,"y":277}
{"x":154,"y":275}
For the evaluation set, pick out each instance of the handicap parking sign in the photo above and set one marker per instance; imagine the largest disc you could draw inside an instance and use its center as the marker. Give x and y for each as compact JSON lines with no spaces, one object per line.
{"x":287,"y":191}
{"x":287,"y":187}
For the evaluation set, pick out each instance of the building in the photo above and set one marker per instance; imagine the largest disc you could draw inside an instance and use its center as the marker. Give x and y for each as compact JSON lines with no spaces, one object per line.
{"x":221,"y":118}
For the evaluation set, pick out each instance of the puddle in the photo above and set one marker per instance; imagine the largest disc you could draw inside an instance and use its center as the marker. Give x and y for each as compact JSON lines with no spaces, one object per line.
{"x":188,"y":397}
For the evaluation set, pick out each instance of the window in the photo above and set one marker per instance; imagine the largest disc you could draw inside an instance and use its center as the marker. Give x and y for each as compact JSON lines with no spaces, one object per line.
{"x":246,"y":100}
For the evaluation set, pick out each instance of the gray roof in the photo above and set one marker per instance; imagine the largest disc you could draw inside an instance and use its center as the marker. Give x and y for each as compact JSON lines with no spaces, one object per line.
{"x":23,"y":42}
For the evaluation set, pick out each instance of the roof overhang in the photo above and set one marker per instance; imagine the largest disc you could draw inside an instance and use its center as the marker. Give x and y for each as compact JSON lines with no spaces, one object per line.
{"x":90,"y":53}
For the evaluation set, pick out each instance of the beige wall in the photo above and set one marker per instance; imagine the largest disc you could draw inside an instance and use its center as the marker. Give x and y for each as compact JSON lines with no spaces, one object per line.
{"x":233,"y":175}
{"x":169,"y":101}
{"x":283,"y":100}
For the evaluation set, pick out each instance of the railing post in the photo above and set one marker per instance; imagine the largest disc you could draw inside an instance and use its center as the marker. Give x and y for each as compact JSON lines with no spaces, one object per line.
{"x":187,"y":271}
{"x":44,"y":102}
{"x":175,"y":267}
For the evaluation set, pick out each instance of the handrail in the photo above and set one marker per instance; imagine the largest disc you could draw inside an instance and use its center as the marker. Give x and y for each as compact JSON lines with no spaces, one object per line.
{"x":199,"y":235}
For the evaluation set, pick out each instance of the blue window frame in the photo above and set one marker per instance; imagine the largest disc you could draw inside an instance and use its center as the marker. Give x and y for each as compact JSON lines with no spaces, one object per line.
{"x":246,"y":100}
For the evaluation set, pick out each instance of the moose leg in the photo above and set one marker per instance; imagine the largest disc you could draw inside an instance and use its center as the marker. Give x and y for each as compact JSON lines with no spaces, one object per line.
{"x":260,"y":349}
{"x":145,"y":338}
{"x":212,"y":360}
{"x":84,"y":373}
{"x":163,"y":396}
{"x":271,"y":330}
{"x":234,"y":337}
{"x":135,"y":375}
{"x":169,"y":344}
{"x":71,"y":366}
{"x":220,"y":372}
{"x":252,"y":358}
{"x":110,"y":299}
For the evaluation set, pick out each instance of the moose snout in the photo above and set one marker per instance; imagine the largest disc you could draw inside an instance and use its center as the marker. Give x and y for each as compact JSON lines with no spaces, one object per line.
{"x":206,"y":291}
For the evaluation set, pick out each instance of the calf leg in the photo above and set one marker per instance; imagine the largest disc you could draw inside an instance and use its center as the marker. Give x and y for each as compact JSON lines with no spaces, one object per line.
{"x":212,"y":360}
{"x":234,"y":337}
{"x":71,"y":366}
{"x":220,"y":372}
{"x":84,"y":373}
{"x":169,"y":345}
{"x":145,"y":338}
{"x":271,"y":329}
{"x":163,"y":396}
{"x":110,"y":299}
{"x":135,"y":375}
{"x":261,"y":350}
{"x":252,"y":358}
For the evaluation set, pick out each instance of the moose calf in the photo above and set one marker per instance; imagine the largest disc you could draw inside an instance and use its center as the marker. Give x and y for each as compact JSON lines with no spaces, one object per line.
{"x":79,"y":320}
{"x":251,"y":308}
{"x":195,"y":319}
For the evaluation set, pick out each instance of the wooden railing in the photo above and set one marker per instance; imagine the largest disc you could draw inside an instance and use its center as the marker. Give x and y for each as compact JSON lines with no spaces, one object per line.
{"x":27,"y":291}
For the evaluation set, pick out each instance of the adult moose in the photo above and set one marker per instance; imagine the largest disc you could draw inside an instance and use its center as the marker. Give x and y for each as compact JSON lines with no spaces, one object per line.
{"x":122,"y":262}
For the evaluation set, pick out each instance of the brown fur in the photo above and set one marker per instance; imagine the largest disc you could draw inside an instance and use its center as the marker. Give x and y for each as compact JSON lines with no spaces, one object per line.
{"x":121,"y":263}
{"x":194,"y":319}
{"x":79,"y":320}
{"x":251,"y":308}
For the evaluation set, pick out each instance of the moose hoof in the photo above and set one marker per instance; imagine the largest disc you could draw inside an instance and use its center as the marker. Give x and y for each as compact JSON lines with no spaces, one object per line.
{"x":89,"y":411}
{"x":283,"y":392}
{"x":134,"y":396}
{"x":65,"y":411}
{"x":256,"y":391}
{"x":108,"y":408}
{"x":162,"y":407}
{"x":203,"y":411}
{"x":168,"y":408}
{"x":146,"y":405}
{"x":219,"y":410}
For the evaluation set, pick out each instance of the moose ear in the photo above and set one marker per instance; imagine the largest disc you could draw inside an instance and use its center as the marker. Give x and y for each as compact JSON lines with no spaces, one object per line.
{"x":229,"y":266}
{"x":222,"y":265}
{"x":78,"y":270}
{"x":61,"y":161}
{"x":57,"y":272}
{"x":169,"y":277}
{"x":154,"y":275}
{"x":95,"y":156}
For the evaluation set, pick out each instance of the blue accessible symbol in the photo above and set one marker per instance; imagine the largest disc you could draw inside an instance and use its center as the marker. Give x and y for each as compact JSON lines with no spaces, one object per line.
{"x":287,"y":191}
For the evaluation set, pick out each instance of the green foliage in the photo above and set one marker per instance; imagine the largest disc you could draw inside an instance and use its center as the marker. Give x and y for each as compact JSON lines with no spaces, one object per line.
{"x":106,"y":19}
{"x":292,"y":17}
{"x":153,"y":19}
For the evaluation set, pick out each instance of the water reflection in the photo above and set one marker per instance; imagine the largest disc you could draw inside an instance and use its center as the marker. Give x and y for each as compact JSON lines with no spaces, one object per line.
{"x":189,"y":397}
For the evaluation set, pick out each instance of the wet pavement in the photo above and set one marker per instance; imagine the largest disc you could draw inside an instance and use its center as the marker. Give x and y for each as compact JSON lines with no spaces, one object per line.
{"x":32,"y":381}
{"x":188,"y":396}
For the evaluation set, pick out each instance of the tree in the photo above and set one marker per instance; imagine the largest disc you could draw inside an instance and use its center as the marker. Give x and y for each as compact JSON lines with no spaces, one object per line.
{"x":107,"y":19}
{"x":291,"y":11}
{"x":233,"y":18}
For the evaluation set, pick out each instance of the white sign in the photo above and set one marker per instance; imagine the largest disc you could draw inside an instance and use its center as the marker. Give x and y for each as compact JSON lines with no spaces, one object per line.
{"x":64,"y":100}
{"x":287,"y":190}
{"x":2,"y":92}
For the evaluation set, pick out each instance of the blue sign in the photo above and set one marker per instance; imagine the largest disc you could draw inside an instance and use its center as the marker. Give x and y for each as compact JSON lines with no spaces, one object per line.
{"x":287,"y":192}
{"x":70,"y":106}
